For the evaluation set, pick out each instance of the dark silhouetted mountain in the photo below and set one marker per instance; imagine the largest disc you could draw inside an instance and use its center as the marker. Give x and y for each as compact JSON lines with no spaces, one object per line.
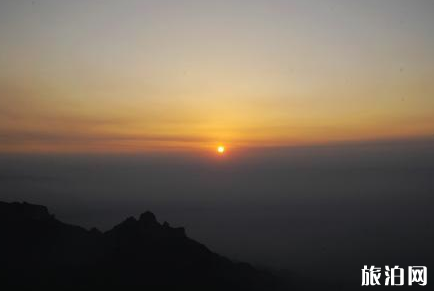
{"x":38,"y":252}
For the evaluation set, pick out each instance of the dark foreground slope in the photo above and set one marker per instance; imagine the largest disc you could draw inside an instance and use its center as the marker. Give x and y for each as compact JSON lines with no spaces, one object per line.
{"x":38,"y":252}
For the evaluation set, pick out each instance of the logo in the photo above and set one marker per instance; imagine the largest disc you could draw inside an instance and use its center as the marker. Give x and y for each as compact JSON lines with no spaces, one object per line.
{"x":395,"y":276}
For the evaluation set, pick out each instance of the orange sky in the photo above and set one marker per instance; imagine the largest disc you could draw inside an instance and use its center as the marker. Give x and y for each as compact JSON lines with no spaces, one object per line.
{"x":146,"y":76}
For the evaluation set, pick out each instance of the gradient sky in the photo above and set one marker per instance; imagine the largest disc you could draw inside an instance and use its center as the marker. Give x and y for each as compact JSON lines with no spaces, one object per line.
{"x":122,"y":76}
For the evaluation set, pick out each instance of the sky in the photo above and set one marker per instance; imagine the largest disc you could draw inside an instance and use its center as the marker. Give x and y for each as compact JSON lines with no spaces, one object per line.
{"x":139,"y":76}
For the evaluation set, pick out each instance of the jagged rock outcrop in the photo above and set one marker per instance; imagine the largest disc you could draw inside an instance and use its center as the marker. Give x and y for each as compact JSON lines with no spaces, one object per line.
{"x":38,"y":251}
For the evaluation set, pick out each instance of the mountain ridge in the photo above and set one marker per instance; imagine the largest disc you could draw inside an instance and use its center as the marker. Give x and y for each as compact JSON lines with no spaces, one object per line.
{"x":40,"y":251}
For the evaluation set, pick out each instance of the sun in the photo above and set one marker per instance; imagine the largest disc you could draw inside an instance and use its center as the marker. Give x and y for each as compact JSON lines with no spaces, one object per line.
{"x":221,"y":149}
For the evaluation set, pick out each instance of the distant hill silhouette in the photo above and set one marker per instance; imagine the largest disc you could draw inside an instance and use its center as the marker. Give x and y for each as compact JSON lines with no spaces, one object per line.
{"x":38,"y":252}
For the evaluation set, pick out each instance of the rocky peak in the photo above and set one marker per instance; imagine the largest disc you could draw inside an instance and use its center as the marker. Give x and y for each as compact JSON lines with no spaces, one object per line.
{"x":148,"y":218}
{"x":23,"y":211}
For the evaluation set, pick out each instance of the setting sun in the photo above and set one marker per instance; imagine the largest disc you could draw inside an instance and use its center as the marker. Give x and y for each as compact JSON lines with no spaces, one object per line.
{"x":221,"y":149}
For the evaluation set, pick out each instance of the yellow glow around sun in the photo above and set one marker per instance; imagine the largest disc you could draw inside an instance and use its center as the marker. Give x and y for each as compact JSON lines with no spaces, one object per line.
{"x":220,"y":149}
